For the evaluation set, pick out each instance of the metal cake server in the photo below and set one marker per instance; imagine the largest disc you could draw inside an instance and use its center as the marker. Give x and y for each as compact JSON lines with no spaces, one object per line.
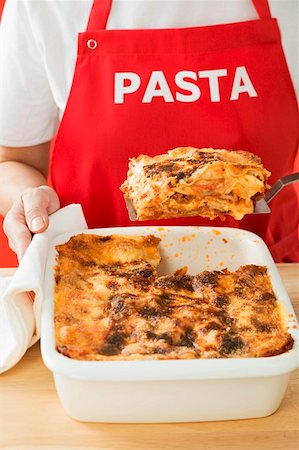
{"x":131,"y":210}
{"x":261,"y":206}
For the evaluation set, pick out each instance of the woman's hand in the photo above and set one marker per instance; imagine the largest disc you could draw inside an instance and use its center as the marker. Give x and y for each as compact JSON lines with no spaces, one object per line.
{"x":29,"y":214}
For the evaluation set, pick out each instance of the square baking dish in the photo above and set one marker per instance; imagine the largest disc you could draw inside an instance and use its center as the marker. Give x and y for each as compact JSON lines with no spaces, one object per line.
{"x":175,"y":390}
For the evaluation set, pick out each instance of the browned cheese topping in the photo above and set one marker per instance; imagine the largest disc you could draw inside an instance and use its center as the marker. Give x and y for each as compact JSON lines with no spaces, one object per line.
{"x":188,"y":181}
{"x":110,"y":304}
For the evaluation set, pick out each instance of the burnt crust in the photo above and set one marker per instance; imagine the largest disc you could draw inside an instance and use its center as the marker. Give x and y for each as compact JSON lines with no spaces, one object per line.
{"x":123,"y":310}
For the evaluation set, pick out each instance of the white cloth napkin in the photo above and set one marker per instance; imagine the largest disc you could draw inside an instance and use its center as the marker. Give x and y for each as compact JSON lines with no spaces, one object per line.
{"x":19,"y":314}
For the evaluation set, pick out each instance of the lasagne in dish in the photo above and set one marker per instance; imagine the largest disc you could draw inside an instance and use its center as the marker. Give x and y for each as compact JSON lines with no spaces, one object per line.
{"x":195,"y":182}
{"x":110,"y":304}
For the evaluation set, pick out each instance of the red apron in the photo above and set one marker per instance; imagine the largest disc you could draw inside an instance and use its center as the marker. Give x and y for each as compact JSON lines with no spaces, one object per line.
{"x":151,"y":90}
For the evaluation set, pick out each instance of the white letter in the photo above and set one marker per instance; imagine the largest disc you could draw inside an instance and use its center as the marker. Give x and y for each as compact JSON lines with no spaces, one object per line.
{"x":242,"y":83}
{"x":213,"y":76}
{"x":157,"y":87}
{"x":120,"y":88}
{"x":187,"y":86}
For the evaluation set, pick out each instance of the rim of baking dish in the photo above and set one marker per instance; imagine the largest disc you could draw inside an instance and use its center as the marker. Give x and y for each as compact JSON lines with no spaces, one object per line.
{"x":159,"y":370}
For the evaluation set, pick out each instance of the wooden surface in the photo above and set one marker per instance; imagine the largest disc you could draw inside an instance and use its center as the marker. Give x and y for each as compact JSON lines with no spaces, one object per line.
{"x":31,"y":416}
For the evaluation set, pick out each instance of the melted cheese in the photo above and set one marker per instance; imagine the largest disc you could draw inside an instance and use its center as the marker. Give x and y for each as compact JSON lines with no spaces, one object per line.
{"x":110,"y":304}
{"x":188,"y":181}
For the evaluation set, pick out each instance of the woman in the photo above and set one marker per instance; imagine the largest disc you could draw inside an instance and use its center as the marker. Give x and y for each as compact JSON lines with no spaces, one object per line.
{"x":143,"y":90}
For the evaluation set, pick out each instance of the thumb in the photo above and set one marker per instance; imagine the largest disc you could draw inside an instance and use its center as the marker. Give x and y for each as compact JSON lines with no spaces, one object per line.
{"x":38,"y":203}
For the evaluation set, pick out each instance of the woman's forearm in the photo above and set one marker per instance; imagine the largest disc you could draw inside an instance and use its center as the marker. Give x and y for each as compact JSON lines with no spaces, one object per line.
{"x":24,"y":199}
{"x":15,"y":177}
{"x":21,"y":168}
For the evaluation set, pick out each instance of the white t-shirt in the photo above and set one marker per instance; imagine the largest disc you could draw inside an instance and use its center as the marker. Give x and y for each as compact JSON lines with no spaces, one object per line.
{"x":38,"y":44}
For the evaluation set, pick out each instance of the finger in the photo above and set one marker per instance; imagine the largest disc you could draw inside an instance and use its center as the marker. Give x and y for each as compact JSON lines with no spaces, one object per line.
{"x":22,"y":240}
{"x":36,"y":203}
{"x":19,"y":237}
{"x":53,"y":203}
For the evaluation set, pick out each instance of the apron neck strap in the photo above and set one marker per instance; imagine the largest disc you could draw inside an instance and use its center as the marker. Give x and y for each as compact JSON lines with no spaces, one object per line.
{"x":100,"y":12}
{"x":262,"y":8}
{"x":99,"y":15}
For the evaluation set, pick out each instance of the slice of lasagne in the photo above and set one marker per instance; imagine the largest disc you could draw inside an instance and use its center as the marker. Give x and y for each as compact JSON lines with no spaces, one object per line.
{"x":110,"y":304}
{"x":195,"y":182}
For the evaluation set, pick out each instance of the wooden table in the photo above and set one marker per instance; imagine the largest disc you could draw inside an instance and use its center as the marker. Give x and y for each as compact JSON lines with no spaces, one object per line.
{"x":31,"y":416}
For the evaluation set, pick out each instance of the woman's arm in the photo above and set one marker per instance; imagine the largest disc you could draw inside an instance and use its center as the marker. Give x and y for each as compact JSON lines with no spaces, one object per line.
{"x":21,"y":168}
{"x":25,"y":199}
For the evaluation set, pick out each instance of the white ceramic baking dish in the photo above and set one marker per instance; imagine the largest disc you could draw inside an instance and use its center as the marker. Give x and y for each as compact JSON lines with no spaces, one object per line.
{"x":175,"y":390}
